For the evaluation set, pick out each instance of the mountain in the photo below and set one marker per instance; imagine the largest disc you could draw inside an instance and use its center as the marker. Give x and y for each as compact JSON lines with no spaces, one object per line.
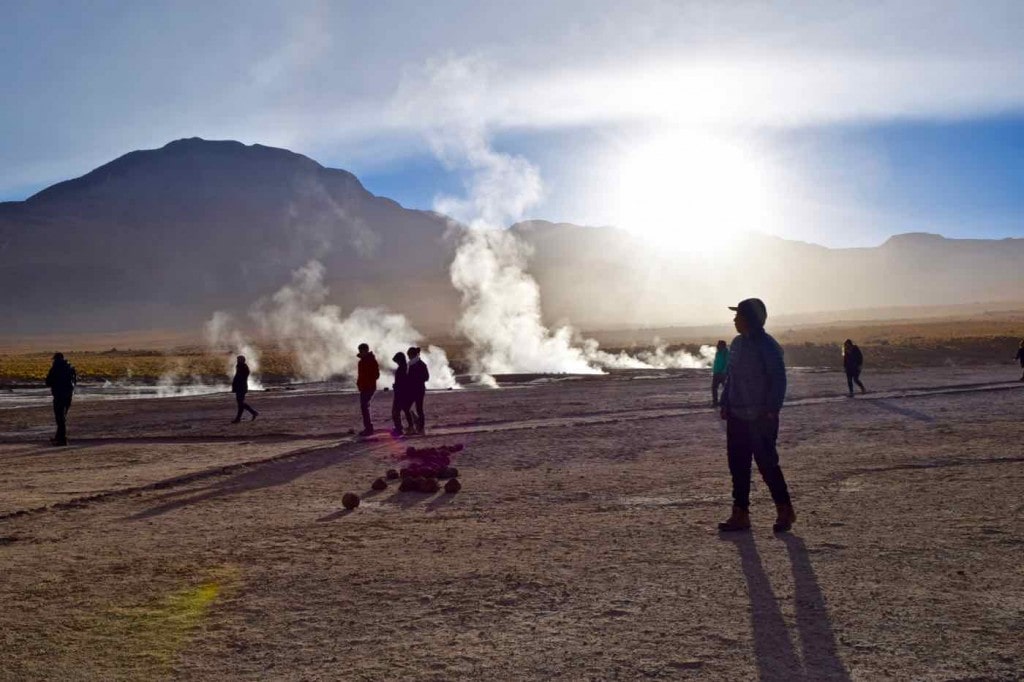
{"x":159,"y":239}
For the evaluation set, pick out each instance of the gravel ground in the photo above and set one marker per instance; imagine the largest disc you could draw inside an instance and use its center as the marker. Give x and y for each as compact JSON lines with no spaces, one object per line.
{"x":166,"y":543}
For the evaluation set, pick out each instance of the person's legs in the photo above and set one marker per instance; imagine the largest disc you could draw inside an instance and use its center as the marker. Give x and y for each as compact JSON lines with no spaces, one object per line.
{"x":849,"y":382}
{"x":421,"y":417}
{"x":856,"y":379}
{"x":767,"y":457}
{"x":60,"y":415}
{"x":240,"y":402}
{"x":364,"y":405}
{"x":740,"y":450}
{"x":249,"y":409}
{"x":396,"y":414}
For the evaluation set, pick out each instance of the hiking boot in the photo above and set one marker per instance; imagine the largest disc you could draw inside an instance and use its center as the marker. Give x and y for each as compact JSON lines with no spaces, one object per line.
{"x":396,"y":433}
{"x":365,"y":432}
{"x":254,"y":415}
{"x":740,"y":520}
{"x":786,"y":517}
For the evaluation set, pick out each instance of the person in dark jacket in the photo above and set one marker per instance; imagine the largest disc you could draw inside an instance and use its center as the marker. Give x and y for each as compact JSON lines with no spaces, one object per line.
{"x":366,"y":382}
{"x":240,"y":386}
{"x":61,"y":379}
{"x":718,"y":368}
{"x":853,"y":360}
{"x":755,"y":387}
{"x":400,"y":402}
{"x":1020,"y":357}
{"x":419,"y":375}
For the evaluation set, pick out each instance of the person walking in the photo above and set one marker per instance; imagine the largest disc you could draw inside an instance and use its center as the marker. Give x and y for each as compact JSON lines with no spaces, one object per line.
{"x":61,"y":380}
{"x":240,"y":386}
{"x":400,"y":402}
{"x":419,"y":375}
{"x":1020,"y":357}
{"x":755,"y":387}
{"x":853,"y":360}
{"x":718,"y":368}
{"x":366,"y":382}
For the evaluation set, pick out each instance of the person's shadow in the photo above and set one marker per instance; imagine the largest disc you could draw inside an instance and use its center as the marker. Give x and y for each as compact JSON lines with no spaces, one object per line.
{"x":776,"y":656}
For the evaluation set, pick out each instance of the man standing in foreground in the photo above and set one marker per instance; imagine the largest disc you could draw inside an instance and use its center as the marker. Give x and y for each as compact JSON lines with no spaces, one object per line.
{"x":61,"y":379}
{"x":754,"y":390}
{"x":366,"y":382}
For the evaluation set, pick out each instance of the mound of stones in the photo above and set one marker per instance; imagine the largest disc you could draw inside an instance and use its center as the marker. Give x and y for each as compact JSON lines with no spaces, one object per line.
{"x":425,"y":467}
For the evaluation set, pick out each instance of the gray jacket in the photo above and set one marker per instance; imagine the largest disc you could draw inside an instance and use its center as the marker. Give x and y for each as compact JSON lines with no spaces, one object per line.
{"x":756,"y":379}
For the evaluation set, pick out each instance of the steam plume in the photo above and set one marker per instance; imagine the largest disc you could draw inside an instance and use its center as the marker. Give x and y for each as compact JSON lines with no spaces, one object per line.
{"x":501,"y":305}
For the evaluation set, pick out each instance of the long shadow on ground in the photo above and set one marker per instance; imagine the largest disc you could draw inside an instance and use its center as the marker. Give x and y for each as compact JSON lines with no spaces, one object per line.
{"x":777,"y":659}
{"x":267,"y":475}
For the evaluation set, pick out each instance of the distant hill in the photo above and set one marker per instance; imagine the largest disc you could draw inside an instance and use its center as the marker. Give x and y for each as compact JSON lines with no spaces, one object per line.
{"x":159,"y":239}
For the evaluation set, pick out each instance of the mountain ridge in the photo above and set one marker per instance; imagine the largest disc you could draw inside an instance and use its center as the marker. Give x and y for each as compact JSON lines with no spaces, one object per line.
{"x":161,"y":238}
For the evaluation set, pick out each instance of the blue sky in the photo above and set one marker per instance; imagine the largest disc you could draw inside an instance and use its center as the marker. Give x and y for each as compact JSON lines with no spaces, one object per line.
{"x":839,"y":123}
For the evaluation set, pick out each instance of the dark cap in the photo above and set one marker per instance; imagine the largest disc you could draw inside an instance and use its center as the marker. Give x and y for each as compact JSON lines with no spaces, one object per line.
{"x":752,"y":310}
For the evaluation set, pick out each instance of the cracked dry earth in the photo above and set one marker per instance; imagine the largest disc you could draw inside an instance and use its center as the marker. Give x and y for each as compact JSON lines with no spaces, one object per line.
{"x":166,"y":543}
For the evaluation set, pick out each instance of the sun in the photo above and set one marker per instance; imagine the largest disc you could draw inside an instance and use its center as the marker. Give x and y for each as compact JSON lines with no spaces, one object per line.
{"x":691,"y":191}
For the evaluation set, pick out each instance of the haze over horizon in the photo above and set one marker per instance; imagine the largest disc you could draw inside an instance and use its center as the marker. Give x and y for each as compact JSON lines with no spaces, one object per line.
{"x":824,"y":122}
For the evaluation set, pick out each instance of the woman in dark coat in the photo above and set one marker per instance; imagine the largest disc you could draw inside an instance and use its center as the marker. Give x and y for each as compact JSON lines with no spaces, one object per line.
{"x":240,"y":386}
{"x":401,"y":401}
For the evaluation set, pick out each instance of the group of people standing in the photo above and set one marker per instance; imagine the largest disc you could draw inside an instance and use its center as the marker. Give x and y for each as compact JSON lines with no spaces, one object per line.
{"x":408,"y":391}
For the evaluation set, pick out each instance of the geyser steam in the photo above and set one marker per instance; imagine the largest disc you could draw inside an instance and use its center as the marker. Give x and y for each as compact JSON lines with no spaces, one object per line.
{"x":501,"y":306}
{"x":323,"y":341}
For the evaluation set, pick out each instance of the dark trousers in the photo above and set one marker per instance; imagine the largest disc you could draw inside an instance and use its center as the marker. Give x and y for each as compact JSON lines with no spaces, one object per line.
{"x":400,"y":405}
{"x":421,"y":417}
{"x":754,"y":440}
{"x":853,"y":378}
{"x":364,"y":406}
{"x":242,"y":406}
{"x":717,"y":380}
{"x":61,"y":405}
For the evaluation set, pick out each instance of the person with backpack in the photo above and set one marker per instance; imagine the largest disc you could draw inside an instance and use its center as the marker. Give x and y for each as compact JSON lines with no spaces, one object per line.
{"x":718,"y":368}
{"x":853,"y":360}
{"x":400,"y":402}
{"x":755,"y":387}
{"x":419,"y":375}
{"x":61,"y":379}
{"x":368,"y":371}
{"x":240,"y":386}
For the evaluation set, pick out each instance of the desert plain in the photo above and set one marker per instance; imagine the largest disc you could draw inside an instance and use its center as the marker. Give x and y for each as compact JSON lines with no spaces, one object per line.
{"x":168,"y":543}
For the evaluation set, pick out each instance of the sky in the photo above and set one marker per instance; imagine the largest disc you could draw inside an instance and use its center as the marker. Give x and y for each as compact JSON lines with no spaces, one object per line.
{"x":837,"y":123}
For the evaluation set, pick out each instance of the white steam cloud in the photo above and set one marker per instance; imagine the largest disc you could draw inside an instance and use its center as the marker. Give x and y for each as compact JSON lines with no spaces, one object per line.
{"x":501,"y":304}
{"x":323,"y":341}
{"x":223,"y":336}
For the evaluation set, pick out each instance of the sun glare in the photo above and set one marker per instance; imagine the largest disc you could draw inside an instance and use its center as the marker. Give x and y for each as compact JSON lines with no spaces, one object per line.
{"x":691,"y":191}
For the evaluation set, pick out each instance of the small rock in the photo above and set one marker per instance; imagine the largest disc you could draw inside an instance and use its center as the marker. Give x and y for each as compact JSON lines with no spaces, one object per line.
{"x":448,"y":472}
{"x":453,"y":486}
{"x":429,"y":485}
{"x":379,"y":484}
{"x":391,"y":475}
{"x":350,"y":501}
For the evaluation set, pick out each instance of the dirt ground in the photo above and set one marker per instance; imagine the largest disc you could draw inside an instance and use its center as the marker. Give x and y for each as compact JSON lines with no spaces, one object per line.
{"x":166,"y":543}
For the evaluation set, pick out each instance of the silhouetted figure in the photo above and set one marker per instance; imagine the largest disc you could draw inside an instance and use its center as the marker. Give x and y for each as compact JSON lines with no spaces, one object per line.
{"x":61,"y":379}
{"x":400,"y":401}
{"x":755,"y":386}
{"x":240,"y":386}
{"x":366,"y":382}
{"x":853,"y":360}
{"x":1020,"y":357}
{"x":419,"y":375}
{"x":718,"y":370}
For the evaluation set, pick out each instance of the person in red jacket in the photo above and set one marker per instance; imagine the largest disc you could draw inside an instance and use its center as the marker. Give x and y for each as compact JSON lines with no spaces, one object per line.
{"x":366,"y":382}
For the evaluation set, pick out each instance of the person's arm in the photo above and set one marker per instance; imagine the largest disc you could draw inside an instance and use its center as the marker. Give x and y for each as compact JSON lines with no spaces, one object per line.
{"x":775,"y":367}
{"x":49,"y":378}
